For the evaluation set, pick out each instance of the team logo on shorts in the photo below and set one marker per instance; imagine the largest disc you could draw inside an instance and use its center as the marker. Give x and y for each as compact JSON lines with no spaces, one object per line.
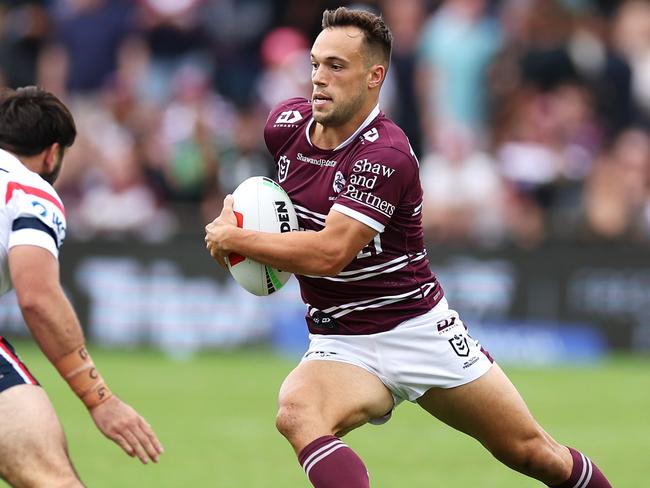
{"x":444,"y":324}
{"x":459,"y":345}
{"x":283,"y":168}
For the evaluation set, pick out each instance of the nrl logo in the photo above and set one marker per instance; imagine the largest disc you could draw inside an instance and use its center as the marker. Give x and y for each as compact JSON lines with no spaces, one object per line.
{"x":283,"y":168}
{"x":459,"y":345}
{"x":288,"y":117}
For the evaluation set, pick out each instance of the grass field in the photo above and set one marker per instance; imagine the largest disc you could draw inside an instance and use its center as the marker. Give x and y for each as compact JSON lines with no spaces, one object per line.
{"x":215,"y":415}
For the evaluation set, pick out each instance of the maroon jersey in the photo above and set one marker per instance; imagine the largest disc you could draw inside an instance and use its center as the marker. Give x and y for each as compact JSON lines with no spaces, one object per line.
{"x":372,"y":177}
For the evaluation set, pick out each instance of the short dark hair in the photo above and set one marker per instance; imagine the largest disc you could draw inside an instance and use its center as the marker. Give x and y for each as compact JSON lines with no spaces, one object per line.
{"x":32,"y":119}
{"x":377,"y":35}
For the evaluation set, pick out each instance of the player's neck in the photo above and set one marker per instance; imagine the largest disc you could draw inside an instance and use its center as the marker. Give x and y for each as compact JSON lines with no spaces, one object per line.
{"x":330,"y":137}
{"x":32,"y":163}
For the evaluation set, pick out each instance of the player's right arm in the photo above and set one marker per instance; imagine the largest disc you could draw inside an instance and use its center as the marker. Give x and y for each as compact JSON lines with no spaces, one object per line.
{"x":55,"y":327}
{"x":322,"y":253}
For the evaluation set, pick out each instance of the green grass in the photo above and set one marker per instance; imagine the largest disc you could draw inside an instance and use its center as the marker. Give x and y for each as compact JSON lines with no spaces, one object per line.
{"x":215,"y":415}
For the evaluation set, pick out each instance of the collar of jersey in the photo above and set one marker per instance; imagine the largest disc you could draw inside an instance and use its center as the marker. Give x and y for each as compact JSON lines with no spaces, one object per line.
{"x":9,"y":162}
{"x":371,"y":116}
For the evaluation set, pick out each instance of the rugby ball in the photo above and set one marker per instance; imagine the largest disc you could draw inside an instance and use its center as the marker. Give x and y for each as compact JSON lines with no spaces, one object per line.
{"x":261,"y":204}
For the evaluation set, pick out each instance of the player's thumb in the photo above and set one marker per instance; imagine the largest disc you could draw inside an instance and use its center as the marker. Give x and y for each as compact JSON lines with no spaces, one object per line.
{"x":227,"y":203}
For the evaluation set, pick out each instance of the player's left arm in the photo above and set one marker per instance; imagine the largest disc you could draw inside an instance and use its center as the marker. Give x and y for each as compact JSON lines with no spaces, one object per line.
{"x":56,"y":329}
{"x":322,"y":253}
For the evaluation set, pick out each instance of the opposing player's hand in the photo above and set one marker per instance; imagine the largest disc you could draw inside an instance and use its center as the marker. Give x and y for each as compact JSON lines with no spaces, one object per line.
{"x":216,"y":232}
{"x":123,"y":425}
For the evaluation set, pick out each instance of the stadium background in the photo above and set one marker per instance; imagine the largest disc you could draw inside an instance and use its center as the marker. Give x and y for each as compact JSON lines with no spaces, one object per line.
{"x":530,"y":119}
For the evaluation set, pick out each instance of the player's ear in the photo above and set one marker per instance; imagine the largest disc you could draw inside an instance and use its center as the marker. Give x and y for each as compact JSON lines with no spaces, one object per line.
{"x":51,"y":156}
{"x":376,"y":75}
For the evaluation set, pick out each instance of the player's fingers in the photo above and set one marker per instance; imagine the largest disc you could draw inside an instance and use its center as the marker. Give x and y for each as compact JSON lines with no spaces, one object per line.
{"x":218,"y":257}
{"x":136,"y":445}
{"x":145,"y":441}
{"x":122,"y":442}
{"x":153,"y":438}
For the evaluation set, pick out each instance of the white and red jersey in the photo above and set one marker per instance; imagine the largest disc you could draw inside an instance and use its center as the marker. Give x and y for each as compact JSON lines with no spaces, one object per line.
{"x":31,"y":213}
{"x":372,"y":177}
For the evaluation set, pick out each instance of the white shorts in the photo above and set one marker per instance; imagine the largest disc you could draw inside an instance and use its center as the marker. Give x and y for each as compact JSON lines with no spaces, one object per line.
{"x":431,"y":350}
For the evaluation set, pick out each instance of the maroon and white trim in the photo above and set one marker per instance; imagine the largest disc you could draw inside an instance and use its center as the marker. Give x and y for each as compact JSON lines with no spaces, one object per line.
{"x":376,"y":270}
{"x":377,"y":302}
{"x":321,"y":453}
{"x":585,"y":475}
{"x":371,"y":116}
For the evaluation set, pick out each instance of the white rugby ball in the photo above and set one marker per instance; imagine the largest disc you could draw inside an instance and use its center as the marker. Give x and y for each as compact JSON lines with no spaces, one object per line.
{"x":261,"y":204}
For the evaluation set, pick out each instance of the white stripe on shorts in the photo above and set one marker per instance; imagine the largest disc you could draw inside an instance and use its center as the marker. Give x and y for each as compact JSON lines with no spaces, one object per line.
{"x":16,"y":366}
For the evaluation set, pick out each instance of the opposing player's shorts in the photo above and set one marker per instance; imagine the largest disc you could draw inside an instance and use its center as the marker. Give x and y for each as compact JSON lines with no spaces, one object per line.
{"x":431,"y":350}
{"x":12,"y":370}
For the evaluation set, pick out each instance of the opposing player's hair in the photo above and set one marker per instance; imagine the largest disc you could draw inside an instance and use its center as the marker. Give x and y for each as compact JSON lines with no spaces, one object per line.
{"x":377,"y":35}
{"x":32,"y":119}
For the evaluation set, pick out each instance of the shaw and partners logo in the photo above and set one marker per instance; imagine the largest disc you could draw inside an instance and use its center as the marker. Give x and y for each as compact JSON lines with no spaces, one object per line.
{"x":288,"y":117}
{"x":362,"y":182}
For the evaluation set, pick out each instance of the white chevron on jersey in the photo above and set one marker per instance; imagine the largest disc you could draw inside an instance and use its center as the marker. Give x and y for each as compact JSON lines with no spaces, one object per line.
{"x":372,"y":271}
{"x":377,"y":302}
{"x":303,"y":213}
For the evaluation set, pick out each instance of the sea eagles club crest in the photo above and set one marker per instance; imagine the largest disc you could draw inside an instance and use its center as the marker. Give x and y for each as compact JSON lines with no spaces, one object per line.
{"x":283,"y":168}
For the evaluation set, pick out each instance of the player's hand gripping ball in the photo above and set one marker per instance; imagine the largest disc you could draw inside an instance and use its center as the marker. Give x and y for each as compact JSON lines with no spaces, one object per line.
{"x":261,"y":204}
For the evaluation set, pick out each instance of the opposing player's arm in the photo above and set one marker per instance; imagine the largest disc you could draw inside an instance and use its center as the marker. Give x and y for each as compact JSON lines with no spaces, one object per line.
{"x":47,"y":312}
{"x":55,"y":327}
{"x":322,"y":253}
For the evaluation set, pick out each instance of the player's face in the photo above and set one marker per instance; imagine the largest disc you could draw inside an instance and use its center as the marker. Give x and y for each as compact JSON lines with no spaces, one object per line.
{"x":339,"y":75}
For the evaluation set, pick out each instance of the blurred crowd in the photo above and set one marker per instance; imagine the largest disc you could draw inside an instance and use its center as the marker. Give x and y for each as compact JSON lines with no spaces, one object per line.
{"x":529,"y":117}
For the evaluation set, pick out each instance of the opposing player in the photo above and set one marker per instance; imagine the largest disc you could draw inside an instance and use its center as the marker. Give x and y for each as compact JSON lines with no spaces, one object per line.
{"x":35,"y":130}
{"x":381,"y":330}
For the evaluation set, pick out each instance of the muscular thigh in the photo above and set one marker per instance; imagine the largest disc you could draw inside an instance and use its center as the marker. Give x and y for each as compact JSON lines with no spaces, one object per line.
{"x":336,"y":396}
{"x":489,"y":409}
{"x":32,"y":443}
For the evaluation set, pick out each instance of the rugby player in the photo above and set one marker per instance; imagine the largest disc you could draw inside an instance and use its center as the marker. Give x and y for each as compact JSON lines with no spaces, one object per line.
{"x":35,"y":130}
{"x":380,"y":327}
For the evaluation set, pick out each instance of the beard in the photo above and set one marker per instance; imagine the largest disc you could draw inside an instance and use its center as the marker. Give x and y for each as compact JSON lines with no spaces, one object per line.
{"x":51,"y":176}
{"x":341,"y":114}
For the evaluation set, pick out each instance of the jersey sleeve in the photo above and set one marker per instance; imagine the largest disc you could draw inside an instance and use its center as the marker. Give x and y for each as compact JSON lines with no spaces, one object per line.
{"x":38,"y":218}
{"x":375,"y":184}
{"x":283,"y":120}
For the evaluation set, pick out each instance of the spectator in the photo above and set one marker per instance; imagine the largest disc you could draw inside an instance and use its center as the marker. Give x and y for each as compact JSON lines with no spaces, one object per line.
{"x":456,"y":46}
{"x":616,"y":199}
{"x":406,"y":19}
{"x":24,"y":29}
{"x":91,"y":32}
{"x":462,"y":192}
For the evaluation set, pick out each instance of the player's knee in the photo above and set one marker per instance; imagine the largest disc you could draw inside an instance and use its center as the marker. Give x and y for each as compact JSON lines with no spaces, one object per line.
{"x":535,"y":456}
{"x":288,"y":420}
{"x":292,"y":418}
